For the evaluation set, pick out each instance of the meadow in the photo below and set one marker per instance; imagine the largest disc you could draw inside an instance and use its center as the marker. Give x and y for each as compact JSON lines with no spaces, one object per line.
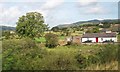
{"x":27,"y":54}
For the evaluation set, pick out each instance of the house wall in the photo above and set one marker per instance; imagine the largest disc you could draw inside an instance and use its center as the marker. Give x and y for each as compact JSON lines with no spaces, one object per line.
{"x":109,"y":38}
{"x":77,"y":40}
{"x":85,"y":39}
{"x":100,"y":39}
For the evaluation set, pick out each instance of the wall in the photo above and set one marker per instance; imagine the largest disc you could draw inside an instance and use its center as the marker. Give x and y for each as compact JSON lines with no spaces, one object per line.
{"x":100,"y":39}
{"x":109,"y":38}
{"x":85,"y":39}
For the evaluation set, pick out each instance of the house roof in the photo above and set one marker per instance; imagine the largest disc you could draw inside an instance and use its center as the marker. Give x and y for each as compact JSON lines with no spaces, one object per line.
{"x":93,"y":35}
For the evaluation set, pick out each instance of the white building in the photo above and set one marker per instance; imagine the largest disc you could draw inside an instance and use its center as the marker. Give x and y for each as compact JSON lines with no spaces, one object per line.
{"x":100,"y":24}
{"x":99,"y":37}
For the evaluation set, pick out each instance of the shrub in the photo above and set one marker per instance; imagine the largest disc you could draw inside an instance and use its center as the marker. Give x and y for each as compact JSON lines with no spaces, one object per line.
{"x":58,"y":60}
{"x":21,"y":54}
{"x":51,"y":40}
{"x":81,"y":61}
{"x":92,"y":60}
{"x":62,"y":34}
{"x":6,"y":34}
{"x":69,"y":43}
{"x":108,"y":53}
{"x":28,"y":43}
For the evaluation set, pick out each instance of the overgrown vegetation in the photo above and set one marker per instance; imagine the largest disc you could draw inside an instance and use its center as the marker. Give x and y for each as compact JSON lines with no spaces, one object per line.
{"x":24,"y":54}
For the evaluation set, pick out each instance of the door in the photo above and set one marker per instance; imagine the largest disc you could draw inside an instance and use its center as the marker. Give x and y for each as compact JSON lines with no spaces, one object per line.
{"x":96,"y":39}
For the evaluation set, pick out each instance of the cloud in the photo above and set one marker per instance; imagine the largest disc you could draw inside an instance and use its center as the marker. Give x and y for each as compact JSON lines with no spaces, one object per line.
{"x":47,"y":6}
{"x":96,"y":10}
{"x":50,"y":4}
{"x":84,"y":3}
{"x":9,"y":15}
{"x":43,"y":12}
{"x":1,"y":11}
{"x":22,"y":0}
{"x":12,"y":12}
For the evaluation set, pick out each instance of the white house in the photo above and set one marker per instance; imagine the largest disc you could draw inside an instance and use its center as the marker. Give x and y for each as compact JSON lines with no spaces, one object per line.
{"x":100,"y":24}
{"x":99,"y":37}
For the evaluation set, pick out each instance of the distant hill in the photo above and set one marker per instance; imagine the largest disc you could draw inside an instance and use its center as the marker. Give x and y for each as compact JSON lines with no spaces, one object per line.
{"x":6,"y":28}
{"x":88,"y":22}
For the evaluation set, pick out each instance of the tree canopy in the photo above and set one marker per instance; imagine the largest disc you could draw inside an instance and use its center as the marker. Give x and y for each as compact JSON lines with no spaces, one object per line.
{"x":31,"y":25}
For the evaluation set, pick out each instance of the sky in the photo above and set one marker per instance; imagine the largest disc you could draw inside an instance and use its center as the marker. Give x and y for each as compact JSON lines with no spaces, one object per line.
{"x":58,"y":12}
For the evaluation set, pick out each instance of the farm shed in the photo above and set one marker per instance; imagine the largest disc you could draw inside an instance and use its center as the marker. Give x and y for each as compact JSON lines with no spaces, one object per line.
{"x":99,"y":37}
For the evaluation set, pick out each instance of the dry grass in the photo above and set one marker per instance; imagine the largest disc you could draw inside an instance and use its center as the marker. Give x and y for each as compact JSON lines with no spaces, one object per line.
{"x":110,"y":66}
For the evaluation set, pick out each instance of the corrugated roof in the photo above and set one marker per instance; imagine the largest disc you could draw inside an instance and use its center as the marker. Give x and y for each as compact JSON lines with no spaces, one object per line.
{"x":93,"y":35}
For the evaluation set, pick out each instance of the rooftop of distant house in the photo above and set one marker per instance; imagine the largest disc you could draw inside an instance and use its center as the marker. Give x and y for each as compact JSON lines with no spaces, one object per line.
{"x":93,"y":35}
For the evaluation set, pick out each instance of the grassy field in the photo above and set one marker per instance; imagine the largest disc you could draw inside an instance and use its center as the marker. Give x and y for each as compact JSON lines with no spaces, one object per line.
{"x":23,"y":54}
{"x":27,"y":54}
{"x":119,"y":38}
{"x":42,"y":39}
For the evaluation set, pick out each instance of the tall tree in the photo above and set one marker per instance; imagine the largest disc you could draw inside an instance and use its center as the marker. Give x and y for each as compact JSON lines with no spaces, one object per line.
{"x":31,"y":25}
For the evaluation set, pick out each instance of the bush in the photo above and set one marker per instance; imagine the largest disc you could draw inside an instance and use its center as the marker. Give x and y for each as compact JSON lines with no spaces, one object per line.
{"x":69,"y":43}
{"x":58,"y":60}
{"x":92,"y":60}
{"x":21,"y":54}
{"x":51,"y":40}
{"x":28,"y":43}
{"x":108,"y":53}
{"x":6,"y":34}
{"x":81,"y":61}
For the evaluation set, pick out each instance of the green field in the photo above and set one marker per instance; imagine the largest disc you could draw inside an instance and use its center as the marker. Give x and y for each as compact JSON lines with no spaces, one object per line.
{"x":42,"y":39}
{"x":23,"y":54}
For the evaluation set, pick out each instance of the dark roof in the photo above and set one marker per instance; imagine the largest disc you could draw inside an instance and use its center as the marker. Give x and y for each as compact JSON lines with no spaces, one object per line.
{"x":93,"y":35}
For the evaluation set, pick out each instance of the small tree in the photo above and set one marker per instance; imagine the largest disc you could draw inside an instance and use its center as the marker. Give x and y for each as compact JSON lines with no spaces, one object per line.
{"x":51,"y":40}
{"x":96,"y":30}
{"x":93,"y":30}
{"x":6,"y":34}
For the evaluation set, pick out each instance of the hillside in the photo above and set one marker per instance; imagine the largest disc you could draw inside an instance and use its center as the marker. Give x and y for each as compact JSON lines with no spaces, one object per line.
{"x":6,"y":28}
{"x":88,"y":22}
